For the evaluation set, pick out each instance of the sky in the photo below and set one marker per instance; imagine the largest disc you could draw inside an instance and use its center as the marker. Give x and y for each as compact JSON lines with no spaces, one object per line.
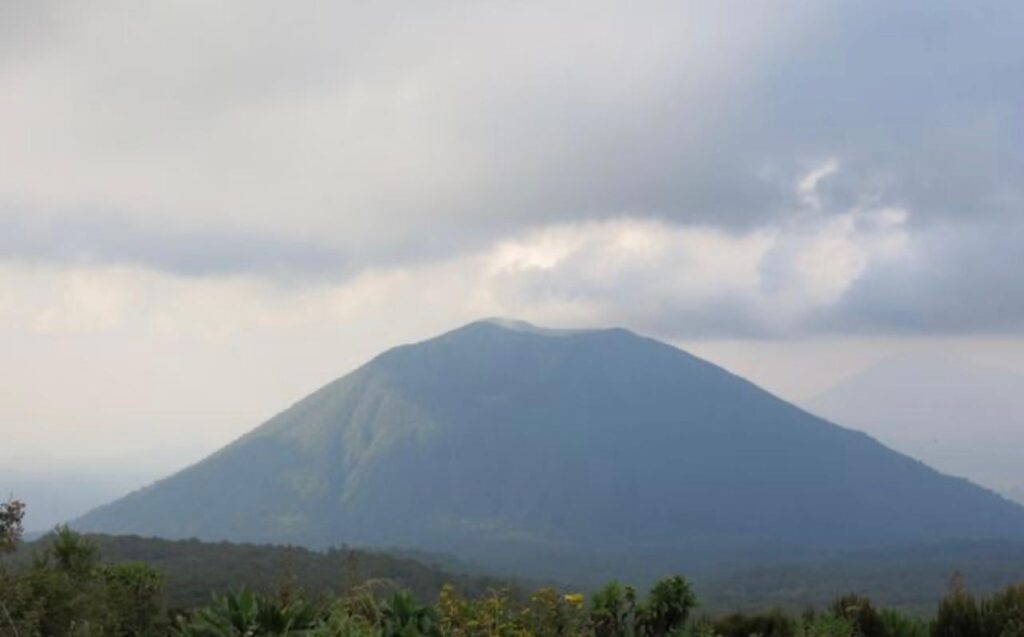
{"x":209,"y":209}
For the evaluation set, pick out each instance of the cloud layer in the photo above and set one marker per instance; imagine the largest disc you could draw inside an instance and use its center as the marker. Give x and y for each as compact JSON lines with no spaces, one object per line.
{"x":697,"y":169}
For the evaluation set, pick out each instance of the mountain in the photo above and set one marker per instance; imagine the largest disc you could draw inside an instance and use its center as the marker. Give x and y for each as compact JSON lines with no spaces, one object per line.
{"x":58,"y":496}
{"x":557,"y":453}
{"x":949,"y":412}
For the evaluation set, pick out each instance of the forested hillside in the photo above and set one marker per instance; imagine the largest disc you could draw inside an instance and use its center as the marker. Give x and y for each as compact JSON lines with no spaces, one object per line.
{"x":911,"y":579}
{"x":70,"y":588}
{"x":192,"y":570}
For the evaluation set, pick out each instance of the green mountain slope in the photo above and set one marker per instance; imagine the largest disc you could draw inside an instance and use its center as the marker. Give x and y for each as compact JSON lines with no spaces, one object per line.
{"x":546,"y":450}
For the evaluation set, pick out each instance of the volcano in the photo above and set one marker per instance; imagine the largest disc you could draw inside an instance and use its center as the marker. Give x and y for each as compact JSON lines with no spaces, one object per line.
{"x":521,"y":446}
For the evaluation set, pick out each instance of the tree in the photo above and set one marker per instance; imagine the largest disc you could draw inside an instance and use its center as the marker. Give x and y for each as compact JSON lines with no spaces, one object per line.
{"x":958,"y":614}
{"x":860,"y":612}
{"x":12,"y":513}
{"x":825,"y":625}
{"x":67,"y":590}
{"x":403,"y":616}
{"x":488,"y":616}
{"x":553,"y":614}
{"x":898,"y":625}
{"x":668,"y":605}
{"x":134,"y":594}
{"x":61,"y":592}
{"x":612,"y":610}
{"x":248,"y":614}
{"x":75,"y":555}
{"x":1003,"y":613}
{"x":774,"y":623}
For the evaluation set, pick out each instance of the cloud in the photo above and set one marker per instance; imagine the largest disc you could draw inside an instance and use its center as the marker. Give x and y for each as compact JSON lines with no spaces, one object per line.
{"x":755,"y":170}
{"x":865,"y":269}
{"x":807,"y":188}
{"x":678,"y":280}
{"x":372,"y":125}
{"x":962,"y":278}
{"x":691,"y":281}
{"x":72,"y":239}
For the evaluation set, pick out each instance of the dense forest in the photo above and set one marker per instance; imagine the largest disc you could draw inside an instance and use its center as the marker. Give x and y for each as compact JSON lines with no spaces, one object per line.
{"x":64,"y":585}
{"x":192,"y":569}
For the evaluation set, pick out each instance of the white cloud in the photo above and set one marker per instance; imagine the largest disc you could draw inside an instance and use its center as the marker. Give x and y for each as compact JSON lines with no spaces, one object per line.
{"x":694,"y":280}
{"x":807,"y":187}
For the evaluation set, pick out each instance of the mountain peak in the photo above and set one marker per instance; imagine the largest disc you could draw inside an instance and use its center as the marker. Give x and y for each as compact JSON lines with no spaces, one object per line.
{"x":516,"y":325}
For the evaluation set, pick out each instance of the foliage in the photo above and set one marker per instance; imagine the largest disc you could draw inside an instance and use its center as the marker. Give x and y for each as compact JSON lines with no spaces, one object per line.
{"x":490,"y":615}
{"x":910,"y":578}
{"x":341,"y":622}
{"x":247,"y":613}
{"x":67,"y":590}
{"x":703,"y":627}
{"x":825,"y":625}
{"x":668,"y":606}
{"x":613,"y":611}
{"x":401,"y":616}
{"x":896,"y":624}
{"x":958,"y":614}
{"x":771,"y":624}
{"x":554,"y":614}
{"x":134,"y":593}
{"x":862,"y":615}
{"x":1002,"y":615}
{"x":11,"y":514}
{"x":193,"y":570}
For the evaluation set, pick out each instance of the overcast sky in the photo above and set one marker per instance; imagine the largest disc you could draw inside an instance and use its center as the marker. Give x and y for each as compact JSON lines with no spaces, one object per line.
{"x":208,"y":209}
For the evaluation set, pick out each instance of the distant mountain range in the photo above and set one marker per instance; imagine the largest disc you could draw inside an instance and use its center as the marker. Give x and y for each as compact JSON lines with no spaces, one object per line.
{"x":959,"y":417}
{"x":54,"y":497}
{"x":559,"y":453}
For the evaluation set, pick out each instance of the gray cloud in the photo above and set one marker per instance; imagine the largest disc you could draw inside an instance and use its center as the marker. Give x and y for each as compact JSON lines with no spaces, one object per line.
{"x":93,"y":239}
{"x":965,"y":278}
{"x":326,"y":138}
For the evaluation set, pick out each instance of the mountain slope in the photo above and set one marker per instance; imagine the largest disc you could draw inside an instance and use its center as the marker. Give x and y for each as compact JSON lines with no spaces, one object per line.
{"x":499,"y":439}
{"x":953,"y":414}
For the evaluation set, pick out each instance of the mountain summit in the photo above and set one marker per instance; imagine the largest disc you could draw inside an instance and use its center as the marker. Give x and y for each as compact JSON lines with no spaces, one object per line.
{"x":504,"y":439}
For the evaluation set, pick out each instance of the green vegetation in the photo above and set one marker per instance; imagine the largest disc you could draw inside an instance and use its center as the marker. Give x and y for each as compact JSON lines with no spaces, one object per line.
{"x":11,"y":514}
{"x":66,"y":589}
{"x":193,"y":569}
{"x":910,"y":578}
